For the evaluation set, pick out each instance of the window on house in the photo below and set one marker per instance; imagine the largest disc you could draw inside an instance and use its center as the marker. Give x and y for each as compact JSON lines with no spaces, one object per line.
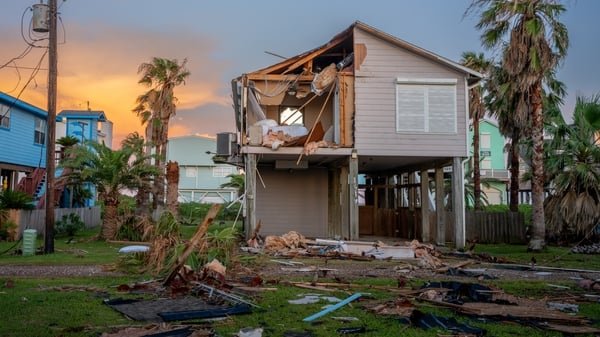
{"x":485,"y":141}
{"x":222,"y":171}
{"x":426,"y":105}
{"x":291,"y":116}
{"x":4,"y":116}
{"x":40,"y":131}
{"x":486,"y":164}
{"x":190,"y":172}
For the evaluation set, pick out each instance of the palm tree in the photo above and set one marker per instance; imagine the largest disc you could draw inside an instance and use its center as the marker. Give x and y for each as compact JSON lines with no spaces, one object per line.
{"x":537,"y":42}
{"x":156,"y":108}
{"x":144,"y":110}
{"x":509,"y":106}
{"x":574,"y":169}
{"x":142,"y":198}
{"x":479,"y":63}
{"x":111,"y":171}
{"x":237,"y":181}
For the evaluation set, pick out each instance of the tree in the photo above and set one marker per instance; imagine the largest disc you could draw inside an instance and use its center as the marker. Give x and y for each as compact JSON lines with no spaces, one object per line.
{"x":111,"y":171}
{"x":172,"y":199}
{"x":479,"y":63}
{"x":574,"y":170}
{"x":509,"y":106}
{"x":156,"y":108}
{"x":537,"y":42}
{"x":237,"y":181}
{"x":142,"y":197}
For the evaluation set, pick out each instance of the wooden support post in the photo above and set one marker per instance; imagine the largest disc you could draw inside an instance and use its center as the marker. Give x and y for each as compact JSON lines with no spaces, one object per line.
{"x":251,"y":175}
{"x":458,"y":202}
{"x":425,"y":235}
{"x":440,"y":237}
{"x":353,"y":195}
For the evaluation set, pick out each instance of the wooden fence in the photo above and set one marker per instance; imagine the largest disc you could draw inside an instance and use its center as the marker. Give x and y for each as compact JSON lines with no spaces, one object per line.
{"x":36,"y":219}
{"x":495,"y":227}
{"x":480,"y":226}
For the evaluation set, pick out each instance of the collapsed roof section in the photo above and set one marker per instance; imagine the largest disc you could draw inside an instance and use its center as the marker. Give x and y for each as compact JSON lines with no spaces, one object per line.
{"x":342,"y":45}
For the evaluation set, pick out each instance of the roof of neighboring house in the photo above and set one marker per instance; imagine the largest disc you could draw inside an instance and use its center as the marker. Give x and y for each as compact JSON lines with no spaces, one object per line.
{"x":192,"y":150}
{"x":17,"y":103}
{"x":84,"y":114}
{"x":344,"y":41}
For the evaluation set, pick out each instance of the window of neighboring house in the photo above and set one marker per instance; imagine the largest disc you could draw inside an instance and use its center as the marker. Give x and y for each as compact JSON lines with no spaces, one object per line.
{"x":486,"y":164}
{"x":426,"y":105}
{"x":485,"y":141}
{"x":291,"y":116}
{"x":40,"y":131}
{"x":190,"y":172}
{"x":4,"y":116}
{"x":222,"y":171}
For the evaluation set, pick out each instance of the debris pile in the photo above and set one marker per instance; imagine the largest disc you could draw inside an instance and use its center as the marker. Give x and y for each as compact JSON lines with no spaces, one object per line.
{"x":593,"y":248}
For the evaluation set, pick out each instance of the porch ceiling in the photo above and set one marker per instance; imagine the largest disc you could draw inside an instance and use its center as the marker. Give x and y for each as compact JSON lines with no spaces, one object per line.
{"x":371,"y":164}
{"x":326,"y":157}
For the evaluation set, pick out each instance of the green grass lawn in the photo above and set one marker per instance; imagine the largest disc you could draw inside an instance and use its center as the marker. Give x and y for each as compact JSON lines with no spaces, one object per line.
{"x":69,"y":307}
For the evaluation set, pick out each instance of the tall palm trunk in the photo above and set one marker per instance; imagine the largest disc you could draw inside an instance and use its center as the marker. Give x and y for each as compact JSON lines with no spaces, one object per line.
{"x":476,"y":169}
{"x":142,"y":199}
{"x":159,"y":184}
{"x":172,"y":202}
{"x":111,"y":217}
{"x":537,"y":241}
{"x":514,"y":172}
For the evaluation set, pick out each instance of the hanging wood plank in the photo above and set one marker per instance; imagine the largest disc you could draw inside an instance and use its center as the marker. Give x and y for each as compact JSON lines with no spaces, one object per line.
{"x":194,"y":242}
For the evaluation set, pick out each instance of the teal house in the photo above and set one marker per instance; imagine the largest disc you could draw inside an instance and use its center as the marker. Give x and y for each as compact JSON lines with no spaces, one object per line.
{"x":199,"y":177}
{"x":493,"y":166}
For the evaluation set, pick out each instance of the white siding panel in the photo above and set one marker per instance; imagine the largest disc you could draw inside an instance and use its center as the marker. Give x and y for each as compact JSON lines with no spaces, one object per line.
{"x":295,"y":200}
{"x":375,"y":101}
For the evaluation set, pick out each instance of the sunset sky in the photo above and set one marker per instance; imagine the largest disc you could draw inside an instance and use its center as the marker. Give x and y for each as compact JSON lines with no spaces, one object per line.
{"x":102,"y":43}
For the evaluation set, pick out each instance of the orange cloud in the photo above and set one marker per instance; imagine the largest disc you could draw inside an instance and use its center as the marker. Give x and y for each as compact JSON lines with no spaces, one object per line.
{"x":99,"y":67}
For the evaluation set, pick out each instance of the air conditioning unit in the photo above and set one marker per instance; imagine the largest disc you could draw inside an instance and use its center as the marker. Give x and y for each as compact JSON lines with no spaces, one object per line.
{"x":226,"y":144}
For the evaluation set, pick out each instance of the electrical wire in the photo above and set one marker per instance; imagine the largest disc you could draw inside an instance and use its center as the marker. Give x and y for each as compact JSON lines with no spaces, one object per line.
{"x":34,"y":73}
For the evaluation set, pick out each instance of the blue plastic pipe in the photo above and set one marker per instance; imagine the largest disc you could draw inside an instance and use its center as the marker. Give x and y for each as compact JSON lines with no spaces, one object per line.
{"x":332,"y":308}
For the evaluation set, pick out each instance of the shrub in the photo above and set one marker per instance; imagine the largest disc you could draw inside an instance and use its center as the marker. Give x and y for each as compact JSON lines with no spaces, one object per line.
{"x":6,"y":228}
{"x":10,"y":199}
{"x":192,"y":213}
{"x":523,"y":208}
{"x":69,"y":225}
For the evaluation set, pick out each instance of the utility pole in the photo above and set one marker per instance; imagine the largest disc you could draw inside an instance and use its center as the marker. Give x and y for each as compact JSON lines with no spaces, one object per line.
{"x":51,"y":125}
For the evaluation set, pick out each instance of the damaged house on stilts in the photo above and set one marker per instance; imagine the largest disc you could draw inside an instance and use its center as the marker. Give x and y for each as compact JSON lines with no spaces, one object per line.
{"x":353,"y":140}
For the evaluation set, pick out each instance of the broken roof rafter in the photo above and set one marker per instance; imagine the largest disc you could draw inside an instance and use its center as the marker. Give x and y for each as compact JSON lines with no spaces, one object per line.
{"x":285,"y":67}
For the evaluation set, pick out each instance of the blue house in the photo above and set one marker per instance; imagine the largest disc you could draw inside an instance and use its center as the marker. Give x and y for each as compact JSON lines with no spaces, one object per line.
{"x":23,"y":139}
{"x":199,"y":177}
{"x":86,"y":125}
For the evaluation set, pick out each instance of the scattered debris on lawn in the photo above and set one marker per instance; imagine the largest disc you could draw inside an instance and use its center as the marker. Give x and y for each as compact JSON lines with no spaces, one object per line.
{"x":593,"y":248}
{"x":332,"y":308}
{"x":134,"y":249}
{"x":250,"y":332}
{"x":313,"y":298}
{"x":484,"y":302}
{"x":160,"y":330}
{"x":430,"y":320}
{"x":209,"y":291}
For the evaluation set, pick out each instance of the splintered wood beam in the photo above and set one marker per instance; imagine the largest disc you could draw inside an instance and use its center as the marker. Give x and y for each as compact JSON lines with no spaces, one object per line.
{"x":279,"y":77}
{"x":194,"y":242}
